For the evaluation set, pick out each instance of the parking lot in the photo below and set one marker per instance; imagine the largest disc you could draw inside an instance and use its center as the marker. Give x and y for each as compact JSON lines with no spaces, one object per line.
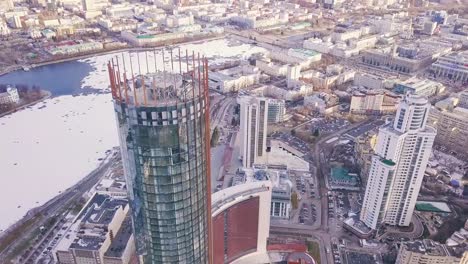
{"x":308,"y":212}
{"x":326,"y":126}
{"x":354,"y":257}
{"x":291,"y":140}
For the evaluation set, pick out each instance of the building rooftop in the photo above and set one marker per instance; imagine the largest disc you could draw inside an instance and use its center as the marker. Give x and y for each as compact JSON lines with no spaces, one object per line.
{"x":90,"y":227}
{"x":388,"y":162}
{"x":426,"y":246}
{"x":158,"y":84}
{"x":429,"y":206}
{"x":307,"y":52}
{"x":90,"y":242}
{"x":120,"y":241}
{"x":278,"y":177}
{"x":101,"y":209}
{"x":354,"y":223}
{"x":341,"y":175}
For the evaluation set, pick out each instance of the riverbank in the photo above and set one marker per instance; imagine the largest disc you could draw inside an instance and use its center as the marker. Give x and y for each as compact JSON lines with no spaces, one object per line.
{"x":13,"y":238}
{"x":74,"y":128}
{"x":46,"y":95}
{"x":13,"y":68}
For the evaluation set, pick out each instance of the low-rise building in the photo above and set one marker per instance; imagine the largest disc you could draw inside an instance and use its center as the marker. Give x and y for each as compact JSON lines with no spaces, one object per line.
{"x":369,"y":81}
{"x":335,"y":46}
{"x":152,"y":39}
{"x":10,"y":96}
{"x":415,"y":85}
{"x":319,"y":45}
{"x":425,"y":251}
{"x":257,"y":21}
{"x":304,"y":58}
{"x":281,"y":188}
{"x":287,"y":94}
{"x":234,"y":79}
{"x":452,"y":127}
{"x":272,"y":67}
{"x":453,"y":66}
{"x":335,"y":74}
{"x":406,"y":58}
{"x":324,"y":103}
{"x":101,"y":233}
{"x":373,"y":102}
{"x":76,"y":48}
{"x":48,"y":33}
{"x":463,"y":99}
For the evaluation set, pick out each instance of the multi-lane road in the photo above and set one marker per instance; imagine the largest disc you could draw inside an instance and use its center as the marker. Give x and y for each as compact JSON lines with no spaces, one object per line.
{"x":56,"y":206}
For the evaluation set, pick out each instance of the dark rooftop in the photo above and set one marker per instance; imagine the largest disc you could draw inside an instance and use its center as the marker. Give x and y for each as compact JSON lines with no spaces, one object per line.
{"x":120,"y":241}
{"x":426,"y":246}
{"x":101,"y":209}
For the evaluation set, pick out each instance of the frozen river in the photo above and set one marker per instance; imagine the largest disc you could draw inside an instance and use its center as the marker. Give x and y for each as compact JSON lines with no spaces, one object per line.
{"x":50,"y":146}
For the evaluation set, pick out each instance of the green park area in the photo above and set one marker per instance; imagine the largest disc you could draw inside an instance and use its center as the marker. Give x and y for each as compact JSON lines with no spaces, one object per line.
{"x":314,"y":250}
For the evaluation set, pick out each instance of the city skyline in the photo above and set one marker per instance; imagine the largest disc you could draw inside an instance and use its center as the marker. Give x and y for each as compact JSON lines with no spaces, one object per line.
{"x":234,"y":132}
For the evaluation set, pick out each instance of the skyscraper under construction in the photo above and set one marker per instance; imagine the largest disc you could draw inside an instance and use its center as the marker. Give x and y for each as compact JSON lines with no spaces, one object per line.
{"x":163,"y":120}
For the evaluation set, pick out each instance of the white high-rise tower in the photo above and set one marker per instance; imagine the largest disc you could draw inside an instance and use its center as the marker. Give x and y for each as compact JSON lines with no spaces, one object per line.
{"x":253,"y":129}
{"x":398,"y":166}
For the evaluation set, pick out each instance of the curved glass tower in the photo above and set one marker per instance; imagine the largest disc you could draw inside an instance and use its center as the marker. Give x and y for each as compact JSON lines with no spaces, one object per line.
{"x":163,"y":122}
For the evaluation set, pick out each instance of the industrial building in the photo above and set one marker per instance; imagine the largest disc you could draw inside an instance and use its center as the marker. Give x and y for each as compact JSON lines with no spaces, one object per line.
{"x":163,"y":125}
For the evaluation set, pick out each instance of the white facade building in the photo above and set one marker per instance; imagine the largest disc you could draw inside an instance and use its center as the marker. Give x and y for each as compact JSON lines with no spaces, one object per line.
{"x":234,"y":79}
{"x":398,"y":166}
{"x":453,"y":66}
{"x":11,"y":96}
{"x":253,"y":129}
{"x":423,"y":87}
{"x":304,"y":58}
{"x":6,"y":5}
{"x":369,"y":81}
{"x":373,"y":102}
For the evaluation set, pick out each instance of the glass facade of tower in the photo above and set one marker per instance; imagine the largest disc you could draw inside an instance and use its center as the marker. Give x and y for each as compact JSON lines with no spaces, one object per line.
{"x":163,"y":150}
{"x":163,"y":123}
